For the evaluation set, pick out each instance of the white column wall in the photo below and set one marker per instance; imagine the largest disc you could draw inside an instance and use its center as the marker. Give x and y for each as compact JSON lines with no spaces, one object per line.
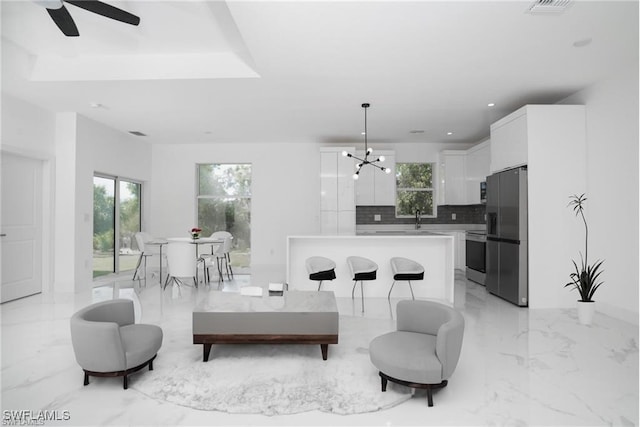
{"x":557,"y":169}
{"x":612,"y":188}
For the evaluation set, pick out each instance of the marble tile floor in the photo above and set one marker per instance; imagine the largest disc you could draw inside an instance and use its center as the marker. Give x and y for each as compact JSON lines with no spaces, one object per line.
{"x":518,"y":366}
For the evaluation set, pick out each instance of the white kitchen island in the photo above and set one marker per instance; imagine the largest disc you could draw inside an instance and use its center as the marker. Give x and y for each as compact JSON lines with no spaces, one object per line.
{"x":435,"y":253}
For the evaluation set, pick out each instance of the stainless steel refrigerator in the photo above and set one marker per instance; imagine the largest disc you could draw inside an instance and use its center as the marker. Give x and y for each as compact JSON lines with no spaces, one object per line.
{"x":507,"y":248}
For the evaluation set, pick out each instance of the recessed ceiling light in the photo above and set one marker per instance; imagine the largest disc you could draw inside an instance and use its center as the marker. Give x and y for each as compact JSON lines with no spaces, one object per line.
{"x":96,"y":105}
{"x":363,"y":133}
{"x":491,"y":104}
{"x":416,"y":131}
{"x":449,"y":133}
{"x":137,"y":133}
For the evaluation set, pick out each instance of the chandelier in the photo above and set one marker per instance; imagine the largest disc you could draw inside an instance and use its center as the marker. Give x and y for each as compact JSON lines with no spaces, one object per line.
{"x":367,"y":152}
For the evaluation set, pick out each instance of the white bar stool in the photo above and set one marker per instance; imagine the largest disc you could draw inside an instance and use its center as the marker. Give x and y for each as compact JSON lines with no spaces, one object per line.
{"x":405,"y":269}
{"x":361,"y":269}
{"x":320,"y":268}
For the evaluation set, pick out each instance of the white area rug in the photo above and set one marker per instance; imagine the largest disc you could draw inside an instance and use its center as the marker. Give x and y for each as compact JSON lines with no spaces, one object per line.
{"x":275,"y":379}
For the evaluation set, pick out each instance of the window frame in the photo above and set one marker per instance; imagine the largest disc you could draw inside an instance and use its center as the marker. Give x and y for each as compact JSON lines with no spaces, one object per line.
{"x":433,"y":189}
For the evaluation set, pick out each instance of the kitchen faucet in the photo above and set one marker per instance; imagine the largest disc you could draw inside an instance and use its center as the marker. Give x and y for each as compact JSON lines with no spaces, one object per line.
{"x":417,"y":218}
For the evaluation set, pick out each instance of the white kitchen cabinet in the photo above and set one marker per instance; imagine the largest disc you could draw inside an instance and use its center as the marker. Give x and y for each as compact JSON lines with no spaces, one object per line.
{"x":461,"y":172}
{"x":337,"y":192}
{"x":509,"y":141}
{"x":452,"y":177}
{"x":375,"y":187}
{"x":477,"y":168}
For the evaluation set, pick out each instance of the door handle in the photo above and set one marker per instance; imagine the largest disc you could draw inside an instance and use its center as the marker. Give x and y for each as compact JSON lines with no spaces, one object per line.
{"x":3,"y":235}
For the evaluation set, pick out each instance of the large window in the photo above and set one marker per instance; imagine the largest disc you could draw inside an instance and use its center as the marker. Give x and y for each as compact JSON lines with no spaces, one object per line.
{"x":415,"y":189}
{"x":116,"y":220}
{"x":224,"y":204}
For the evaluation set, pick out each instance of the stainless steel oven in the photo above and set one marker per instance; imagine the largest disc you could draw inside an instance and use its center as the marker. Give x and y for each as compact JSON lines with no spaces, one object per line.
{"x":476,"y":256}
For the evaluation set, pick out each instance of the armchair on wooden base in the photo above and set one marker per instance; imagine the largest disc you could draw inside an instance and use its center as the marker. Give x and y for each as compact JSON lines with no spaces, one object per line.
{"x":424,"y":350}
{"x":107,"y":342}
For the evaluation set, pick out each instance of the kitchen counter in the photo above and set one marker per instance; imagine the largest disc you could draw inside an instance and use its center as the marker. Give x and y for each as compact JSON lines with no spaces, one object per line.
{"x":404,"y":229}
{"x":433,"y":250}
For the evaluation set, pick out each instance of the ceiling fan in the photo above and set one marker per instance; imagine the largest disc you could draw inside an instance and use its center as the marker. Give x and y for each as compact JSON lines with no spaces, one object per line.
{"x":64,"y":21}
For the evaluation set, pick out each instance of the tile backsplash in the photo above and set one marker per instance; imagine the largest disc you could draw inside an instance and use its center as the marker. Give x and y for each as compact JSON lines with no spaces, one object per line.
{"x":465,"y":214}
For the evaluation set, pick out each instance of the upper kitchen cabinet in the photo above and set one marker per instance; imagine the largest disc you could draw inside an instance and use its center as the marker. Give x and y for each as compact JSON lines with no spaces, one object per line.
{"x":337,"y":192}
{"x":477,"y":168}
{"x":509,"y":141}
{"x":461,"y":172}
{"x":375,"y":187}
{"x":452,"y":177}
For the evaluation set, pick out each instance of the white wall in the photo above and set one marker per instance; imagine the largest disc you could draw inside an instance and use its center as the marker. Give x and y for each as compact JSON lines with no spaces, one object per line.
{"x":285,"y":193}
{"x":612,"y":188}
{"x":73,"y":148}
{"x":108,"y":151}
{"x":27,"y":129}
{"x":556,"y":169}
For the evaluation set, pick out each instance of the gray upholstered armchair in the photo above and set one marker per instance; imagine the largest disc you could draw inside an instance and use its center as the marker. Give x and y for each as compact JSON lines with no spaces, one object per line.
{"x":107,"y":343}
{"x":424,"y":350}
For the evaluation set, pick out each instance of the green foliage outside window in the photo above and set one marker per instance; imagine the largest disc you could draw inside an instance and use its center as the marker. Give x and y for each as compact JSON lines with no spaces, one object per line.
{"x":414,"y":189}
{"x":224,"y":204}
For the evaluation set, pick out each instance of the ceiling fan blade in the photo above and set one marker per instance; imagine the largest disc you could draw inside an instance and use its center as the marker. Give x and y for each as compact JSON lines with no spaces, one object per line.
{"x":64,"y":21}
{"x":104,"y":9}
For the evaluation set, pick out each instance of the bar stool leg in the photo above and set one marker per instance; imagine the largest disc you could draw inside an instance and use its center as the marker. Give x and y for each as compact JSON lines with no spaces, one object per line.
{"x":319,"y":285}
{"x":355,"y":282}
{"x":362,"y":295}
{"x":390,"y":289}
{"x":411,"y":289}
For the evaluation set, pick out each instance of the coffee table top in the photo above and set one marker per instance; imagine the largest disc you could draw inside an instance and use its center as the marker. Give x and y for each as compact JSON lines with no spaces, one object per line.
{"x":290,"y":301}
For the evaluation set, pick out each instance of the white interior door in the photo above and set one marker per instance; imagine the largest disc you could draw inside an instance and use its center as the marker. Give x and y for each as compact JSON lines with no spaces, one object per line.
{"x":21,"y":242}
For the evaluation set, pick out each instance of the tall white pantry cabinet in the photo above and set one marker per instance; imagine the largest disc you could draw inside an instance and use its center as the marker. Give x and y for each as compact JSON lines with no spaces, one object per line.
{"x":337,"y":192}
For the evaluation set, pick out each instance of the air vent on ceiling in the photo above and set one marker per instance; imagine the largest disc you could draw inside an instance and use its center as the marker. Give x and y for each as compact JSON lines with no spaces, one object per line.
{"x":137,"y":133}
{"x":548,"y":6}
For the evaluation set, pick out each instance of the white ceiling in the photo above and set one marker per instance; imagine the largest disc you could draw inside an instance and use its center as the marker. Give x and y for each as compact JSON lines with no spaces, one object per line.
{"x":266,"y":71}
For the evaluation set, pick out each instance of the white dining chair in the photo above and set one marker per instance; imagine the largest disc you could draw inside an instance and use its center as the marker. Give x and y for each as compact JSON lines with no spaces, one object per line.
{"x":142,"y":237}
{"x":181,"y":261}
{"x":220,"y":254}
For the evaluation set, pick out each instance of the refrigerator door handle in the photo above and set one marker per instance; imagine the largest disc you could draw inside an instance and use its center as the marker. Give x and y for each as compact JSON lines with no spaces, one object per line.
{"x":492,"y":223}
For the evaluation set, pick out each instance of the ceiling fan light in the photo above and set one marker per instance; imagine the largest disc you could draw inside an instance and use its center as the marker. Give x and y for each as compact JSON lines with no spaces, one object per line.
{"x":355,"y":175}
{"x":345,"y":154}
{"x":381,"y":158}
{"x":387,"y":170}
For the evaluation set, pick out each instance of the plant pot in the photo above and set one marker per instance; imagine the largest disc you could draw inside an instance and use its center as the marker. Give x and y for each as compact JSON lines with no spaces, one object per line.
{"x":586,"y":310}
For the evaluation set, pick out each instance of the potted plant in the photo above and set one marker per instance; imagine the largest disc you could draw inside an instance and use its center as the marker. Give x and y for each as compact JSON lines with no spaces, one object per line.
{"x":586,"y":277}
{"x":195,"y":232}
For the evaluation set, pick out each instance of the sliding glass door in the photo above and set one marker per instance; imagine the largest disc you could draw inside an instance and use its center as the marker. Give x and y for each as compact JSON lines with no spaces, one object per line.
{"x":116,"y":220}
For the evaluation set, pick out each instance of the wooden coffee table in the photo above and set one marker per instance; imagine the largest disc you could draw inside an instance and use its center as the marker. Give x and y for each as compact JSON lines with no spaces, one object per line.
{"x":296,"y":317}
